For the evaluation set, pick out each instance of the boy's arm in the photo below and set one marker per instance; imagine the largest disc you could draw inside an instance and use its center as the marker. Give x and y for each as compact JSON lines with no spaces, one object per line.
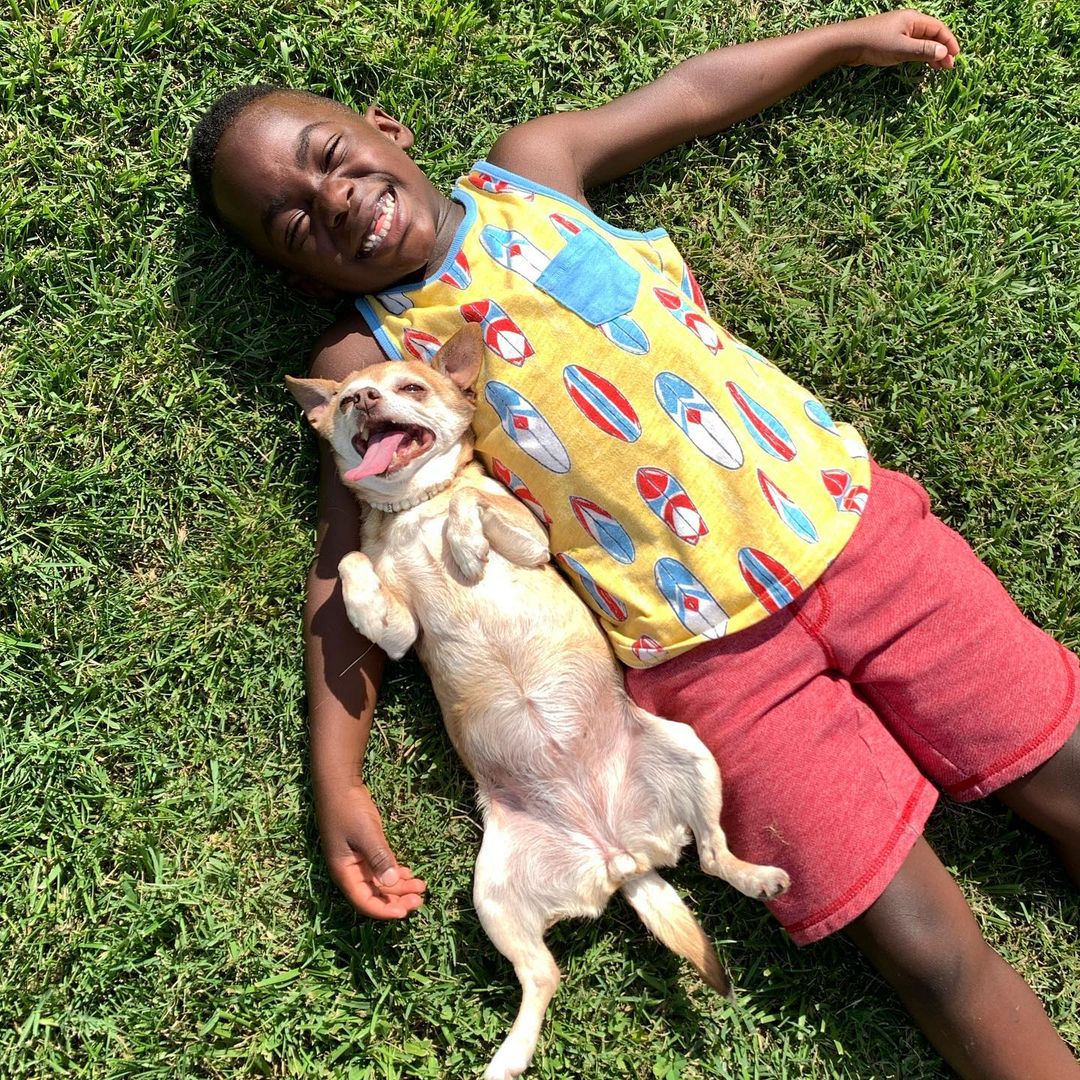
{"x":574,"y":151}
{"x":343,"y":675}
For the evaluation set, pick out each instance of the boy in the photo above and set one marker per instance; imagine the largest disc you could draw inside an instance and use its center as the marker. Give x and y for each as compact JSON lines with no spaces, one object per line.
{"x":795,"y":633}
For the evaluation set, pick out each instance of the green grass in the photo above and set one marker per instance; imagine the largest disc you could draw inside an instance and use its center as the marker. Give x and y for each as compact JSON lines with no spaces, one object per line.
{"x":905,"y":244}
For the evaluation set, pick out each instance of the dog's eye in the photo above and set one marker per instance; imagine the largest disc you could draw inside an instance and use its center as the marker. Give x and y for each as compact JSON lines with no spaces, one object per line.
{"x":413,"y":388}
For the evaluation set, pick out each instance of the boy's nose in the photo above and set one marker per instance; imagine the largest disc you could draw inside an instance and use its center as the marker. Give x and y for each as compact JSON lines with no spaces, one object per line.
{"x":335,"y":195}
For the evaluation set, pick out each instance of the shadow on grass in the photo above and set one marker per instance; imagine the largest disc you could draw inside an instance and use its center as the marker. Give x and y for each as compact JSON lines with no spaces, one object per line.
{"x":826,"y":992}
{"x":249,"y":327}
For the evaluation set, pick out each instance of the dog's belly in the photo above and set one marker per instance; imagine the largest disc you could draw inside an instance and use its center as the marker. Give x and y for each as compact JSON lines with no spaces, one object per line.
{"x":531,"y":695}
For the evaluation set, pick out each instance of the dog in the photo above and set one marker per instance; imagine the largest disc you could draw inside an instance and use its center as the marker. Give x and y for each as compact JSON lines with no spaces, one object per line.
{"x":583,"y":794}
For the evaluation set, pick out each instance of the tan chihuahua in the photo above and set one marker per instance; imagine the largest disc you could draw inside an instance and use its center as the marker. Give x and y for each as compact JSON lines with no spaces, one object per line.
{"x":582,"y":793}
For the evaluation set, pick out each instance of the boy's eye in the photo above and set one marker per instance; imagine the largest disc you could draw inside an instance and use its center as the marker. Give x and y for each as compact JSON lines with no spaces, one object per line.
{"x":331,"y":150}
{"x":292,"y":230}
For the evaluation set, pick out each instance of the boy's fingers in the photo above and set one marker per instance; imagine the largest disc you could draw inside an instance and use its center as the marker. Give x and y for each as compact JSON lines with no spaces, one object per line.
{"x":374,"y":902}
{"x":925,"y":49}
{"x":403,"y":884}
{"x":936,"y":31}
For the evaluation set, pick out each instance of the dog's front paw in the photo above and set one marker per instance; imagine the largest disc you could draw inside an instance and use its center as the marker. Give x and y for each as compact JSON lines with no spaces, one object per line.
{"x":365,"y":603}
{"x":470,"y":550}
{"x":465,"y":537}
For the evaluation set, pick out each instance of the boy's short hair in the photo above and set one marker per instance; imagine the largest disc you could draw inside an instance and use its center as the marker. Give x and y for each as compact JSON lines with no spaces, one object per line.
{"x":207,"y":135}
{"x":214,"y":123}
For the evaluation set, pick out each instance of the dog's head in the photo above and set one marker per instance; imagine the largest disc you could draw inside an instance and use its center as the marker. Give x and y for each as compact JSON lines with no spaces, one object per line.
{"x":398,"y":428}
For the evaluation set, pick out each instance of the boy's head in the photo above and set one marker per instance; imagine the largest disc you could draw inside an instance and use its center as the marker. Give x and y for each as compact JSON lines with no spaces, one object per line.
{"x":329,"y":195}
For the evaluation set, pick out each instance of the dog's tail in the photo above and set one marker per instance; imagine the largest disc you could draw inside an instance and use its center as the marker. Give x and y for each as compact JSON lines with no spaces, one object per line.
{"x":663,"y":911}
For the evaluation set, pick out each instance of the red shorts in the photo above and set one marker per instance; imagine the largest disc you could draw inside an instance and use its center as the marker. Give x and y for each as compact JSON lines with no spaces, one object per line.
{"x":906,"y":663}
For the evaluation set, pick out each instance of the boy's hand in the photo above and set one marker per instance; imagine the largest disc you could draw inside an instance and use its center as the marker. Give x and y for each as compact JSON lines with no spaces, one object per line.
{"x":360,"y":860}
{"x":899,"y":36}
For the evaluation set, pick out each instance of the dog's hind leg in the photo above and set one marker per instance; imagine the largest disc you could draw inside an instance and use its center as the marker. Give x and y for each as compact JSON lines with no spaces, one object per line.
{"x":691,"y":776}
{"x":516,"y":927}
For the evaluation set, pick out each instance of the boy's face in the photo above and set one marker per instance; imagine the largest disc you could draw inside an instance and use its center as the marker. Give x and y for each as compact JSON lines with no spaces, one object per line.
{"x":327,"y":194}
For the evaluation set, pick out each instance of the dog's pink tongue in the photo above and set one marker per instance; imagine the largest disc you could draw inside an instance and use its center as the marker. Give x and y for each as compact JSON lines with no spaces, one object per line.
{"x":377,"y":456}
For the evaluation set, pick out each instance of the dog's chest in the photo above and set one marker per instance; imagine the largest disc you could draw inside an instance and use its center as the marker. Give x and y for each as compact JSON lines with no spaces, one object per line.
{"x":410,"y":554}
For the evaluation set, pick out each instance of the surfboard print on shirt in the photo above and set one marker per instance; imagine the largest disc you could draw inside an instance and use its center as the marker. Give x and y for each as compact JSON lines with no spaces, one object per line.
{"x":604,"y":529}
{"x":668,"y":500}
{"x":792,"y":515}
{"x":501,"y":334}
{"x":820,"y":416}
{"x":648,"y":650}
{"x":763,"y":427}
{"x":692,"y":289}
{"x":421,"y":344}
{"x":698,"y":420}
{"x":520,"y":490}
{"x":602,"y":403}
{"x":694,"y":606}
{"x":769,"y":580}
{"x":394,"y":302}
{"x":525,"y":424}
{"x":608,"y":604}
{"x":693,"y":320}
{"x":457,"y":273}
{"x":486,"y":182}
{"x":849,"y":497}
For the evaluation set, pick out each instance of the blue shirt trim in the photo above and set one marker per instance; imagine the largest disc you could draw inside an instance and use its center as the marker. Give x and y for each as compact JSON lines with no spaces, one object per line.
{"x":540,"y":189}
{"x":363,"y":305}
{"x":462,"y":195}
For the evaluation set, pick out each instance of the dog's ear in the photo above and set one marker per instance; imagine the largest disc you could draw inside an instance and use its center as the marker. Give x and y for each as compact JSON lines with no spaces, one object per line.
{"x":312,"y":395}
{"x":460,"y":358}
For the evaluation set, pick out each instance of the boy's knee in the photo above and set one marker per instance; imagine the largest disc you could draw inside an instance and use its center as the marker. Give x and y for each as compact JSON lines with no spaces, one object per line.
{"x":931,"y":955}
{"x":920,"y":933}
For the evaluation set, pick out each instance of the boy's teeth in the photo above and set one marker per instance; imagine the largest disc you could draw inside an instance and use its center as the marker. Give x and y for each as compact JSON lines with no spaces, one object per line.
{"x":384,"y":218}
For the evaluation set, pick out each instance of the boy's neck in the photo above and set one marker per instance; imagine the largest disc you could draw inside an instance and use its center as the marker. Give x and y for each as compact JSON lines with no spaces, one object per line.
{"x":447,"y":220}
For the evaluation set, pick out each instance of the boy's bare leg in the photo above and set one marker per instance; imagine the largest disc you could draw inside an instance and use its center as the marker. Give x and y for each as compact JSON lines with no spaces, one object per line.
{"x":1049,"y":798}
{"x":979,"y":1013}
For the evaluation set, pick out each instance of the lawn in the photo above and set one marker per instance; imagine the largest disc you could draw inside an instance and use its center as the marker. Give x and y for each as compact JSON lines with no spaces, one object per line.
{"x":906,"y":244}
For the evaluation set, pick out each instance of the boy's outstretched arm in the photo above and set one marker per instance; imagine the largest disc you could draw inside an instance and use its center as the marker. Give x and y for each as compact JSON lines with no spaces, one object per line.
{"x":343,"y":675}
{"x":574,"y":151}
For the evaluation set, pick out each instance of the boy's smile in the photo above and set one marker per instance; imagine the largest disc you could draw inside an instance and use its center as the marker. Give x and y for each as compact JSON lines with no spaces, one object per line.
{"x":330,"y":195}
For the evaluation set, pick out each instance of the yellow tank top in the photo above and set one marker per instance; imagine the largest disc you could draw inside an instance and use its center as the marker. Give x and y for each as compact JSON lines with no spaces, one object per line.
{"x":690,"y":488}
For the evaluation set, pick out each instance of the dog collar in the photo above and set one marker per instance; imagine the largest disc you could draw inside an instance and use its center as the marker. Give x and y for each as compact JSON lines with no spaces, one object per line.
{"x":408,"y":504}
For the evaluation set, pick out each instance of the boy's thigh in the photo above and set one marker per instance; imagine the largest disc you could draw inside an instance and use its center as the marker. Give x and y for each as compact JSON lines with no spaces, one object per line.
{"x":813,"y":782}
{"x":976,"y":693}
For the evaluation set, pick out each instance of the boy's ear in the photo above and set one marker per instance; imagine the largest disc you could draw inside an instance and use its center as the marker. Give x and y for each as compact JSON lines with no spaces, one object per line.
{"x":313,"y":396}
{"x":310,"y":286}
{"x":393,"y":129}
{"x":461,"y":357}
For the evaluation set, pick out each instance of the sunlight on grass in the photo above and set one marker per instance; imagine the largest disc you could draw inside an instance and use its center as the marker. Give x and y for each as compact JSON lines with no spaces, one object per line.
{"x":905,"y":244}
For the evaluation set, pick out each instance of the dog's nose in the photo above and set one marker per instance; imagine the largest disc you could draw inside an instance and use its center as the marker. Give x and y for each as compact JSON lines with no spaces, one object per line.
{"x":368,"y":396}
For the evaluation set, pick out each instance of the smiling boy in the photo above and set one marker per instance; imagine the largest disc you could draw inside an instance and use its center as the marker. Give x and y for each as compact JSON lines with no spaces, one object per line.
{"x":781,"y":697}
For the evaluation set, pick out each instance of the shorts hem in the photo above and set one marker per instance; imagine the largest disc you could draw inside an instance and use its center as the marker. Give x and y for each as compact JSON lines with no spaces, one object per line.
{"x":841,"y":911}
{"x":1032,"y":754}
